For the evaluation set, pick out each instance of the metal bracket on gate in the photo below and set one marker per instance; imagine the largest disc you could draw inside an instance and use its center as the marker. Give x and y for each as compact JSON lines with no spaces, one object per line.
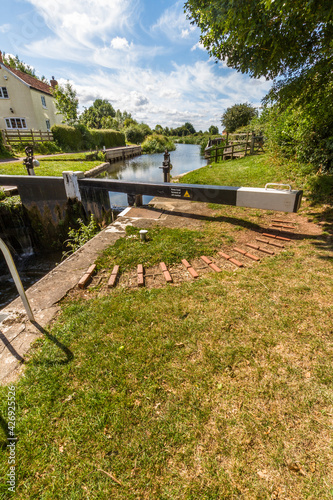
{"x":277,"y":184}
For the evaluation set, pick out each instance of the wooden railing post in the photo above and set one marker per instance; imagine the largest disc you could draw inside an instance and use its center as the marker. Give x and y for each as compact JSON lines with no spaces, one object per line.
{"x":252,"y":143}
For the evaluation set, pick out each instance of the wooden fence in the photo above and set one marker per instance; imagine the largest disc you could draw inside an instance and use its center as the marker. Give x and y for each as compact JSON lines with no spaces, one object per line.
{"x":14,"y":137}
{"x":235,"y":146}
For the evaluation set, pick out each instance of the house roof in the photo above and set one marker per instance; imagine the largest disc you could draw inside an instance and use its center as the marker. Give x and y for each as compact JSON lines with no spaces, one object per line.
{"x":32,"y":82}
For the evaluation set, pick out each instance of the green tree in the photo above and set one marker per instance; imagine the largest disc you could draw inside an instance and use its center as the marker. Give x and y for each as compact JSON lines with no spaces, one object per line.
{"x":67,"y":103}
{"x":190,"y":128}
{"x":265,"y":37}
{"x":238,"y":115}
{"x":158,"y":129}
{"x":95,"y":115}
{"x":213,"y":130}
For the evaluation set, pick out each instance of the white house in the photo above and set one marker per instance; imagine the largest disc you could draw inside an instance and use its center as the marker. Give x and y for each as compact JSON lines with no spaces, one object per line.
{"x":25,"y":102}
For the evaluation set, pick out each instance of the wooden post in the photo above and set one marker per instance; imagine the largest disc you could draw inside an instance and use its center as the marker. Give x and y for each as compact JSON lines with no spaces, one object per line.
{"x":216,"y":154}
{"x":232,"y":151}
{"x":252,"y":144}
{"x":32,"y":136}
{"x":19,"y":136}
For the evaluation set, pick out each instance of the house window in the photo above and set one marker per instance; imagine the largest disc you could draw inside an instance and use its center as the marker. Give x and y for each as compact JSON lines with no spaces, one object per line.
{"x":16,"y":123}
{"x":3,"y":93}
{"x":43,"y":101}
{"x":48,"y":125}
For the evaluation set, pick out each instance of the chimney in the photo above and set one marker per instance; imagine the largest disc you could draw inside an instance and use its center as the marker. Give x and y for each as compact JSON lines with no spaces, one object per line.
{"x":53,"y":83}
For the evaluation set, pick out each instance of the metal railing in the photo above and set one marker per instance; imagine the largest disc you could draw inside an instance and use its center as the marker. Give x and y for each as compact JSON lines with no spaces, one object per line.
{"x":16,"y":278}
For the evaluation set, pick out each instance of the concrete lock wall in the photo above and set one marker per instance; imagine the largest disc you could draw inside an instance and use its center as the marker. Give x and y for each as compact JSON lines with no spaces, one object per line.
{"x":53,"y":205}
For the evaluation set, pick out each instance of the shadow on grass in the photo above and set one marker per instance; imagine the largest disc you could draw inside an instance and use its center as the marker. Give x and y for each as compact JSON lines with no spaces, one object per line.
{"x":10,"y":348}
{"x":68,"y":353}
{"x":234,"y":221}
{"x":4,"y":426}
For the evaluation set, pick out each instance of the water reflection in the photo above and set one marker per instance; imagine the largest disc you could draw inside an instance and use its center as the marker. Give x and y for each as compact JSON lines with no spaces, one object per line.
{"x":146,"y":168}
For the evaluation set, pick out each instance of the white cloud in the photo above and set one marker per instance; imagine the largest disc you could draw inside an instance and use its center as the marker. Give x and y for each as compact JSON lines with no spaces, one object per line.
{"x":199,"y":46}
{"x":174,"y":24}
{"x":84,"y":20}
{"x":119,"y":43}
{"x":4,"y":28}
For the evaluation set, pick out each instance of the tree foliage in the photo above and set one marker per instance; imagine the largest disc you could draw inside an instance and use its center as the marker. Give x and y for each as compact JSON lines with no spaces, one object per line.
{"x":238,"y":115}
{"x":67,"y":103}
{"x":99,"y":115}
{"x":213,"y":130}
{"x":265,"y":37}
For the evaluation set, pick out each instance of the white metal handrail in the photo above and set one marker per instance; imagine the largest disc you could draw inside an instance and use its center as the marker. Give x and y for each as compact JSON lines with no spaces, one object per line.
{"x":16,"y":278}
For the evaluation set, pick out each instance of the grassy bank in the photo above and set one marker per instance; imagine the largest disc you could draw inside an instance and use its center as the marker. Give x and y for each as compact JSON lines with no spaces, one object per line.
{"x":257,"y":171}
{"x":53,"y":166}
{"x":215,"y":389}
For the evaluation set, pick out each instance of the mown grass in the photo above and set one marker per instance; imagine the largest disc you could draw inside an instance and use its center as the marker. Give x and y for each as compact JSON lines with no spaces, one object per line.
{"x":52,"y":166}
{"x":163,"y":245}
{"x":252,"y":171}
{"x":216,"y":389}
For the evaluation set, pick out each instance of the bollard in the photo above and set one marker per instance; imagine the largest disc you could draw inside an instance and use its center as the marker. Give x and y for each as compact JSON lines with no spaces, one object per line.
{"x":143,"y":234}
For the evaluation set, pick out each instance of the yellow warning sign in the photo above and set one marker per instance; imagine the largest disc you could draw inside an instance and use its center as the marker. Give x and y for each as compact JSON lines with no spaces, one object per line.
{"x":187,"y":194}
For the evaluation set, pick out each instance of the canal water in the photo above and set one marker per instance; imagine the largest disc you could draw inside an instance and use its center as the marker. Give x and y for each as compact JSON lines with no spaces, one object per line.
{"x":143,"y":168}
{"x":146,"y":168}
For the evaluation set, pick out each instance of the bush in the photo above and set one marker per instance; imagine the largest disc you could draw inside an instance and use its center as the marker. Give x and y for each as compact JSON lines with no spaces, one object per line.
{"x":68,"y":138}
{"x":80,"y":138}
{"x":157,"y":143}
{"x":136,"y":134}
{"x":107,"y":138}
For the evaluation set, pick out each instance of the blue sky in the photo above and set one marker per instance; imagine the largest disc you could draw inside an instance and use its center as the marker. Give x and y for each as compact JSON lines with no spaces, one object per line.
{"x":143,"y":56}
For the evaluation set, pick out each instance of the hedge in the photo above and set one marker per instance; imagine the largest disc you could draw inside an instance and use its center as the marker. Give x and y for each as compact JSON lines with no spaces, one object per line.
{"x":79,"y":138}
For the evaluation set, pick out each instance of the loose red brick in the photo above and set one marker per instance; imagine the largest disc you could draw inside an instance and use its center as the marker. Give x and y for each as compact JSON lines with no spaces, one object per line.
{"x":112,"y":280}
{"x":205,"y":259}
{"x":86,"y":277}
{"x":115,"y":270}
{"x":239,"y":250}
{"x":214,"y":267}
{"x":253,"y":257}
{"x":236,"y":262}
{"x":224,"y":255}
{"x":163,"y":266}
{"x":141,"y":280}
{"x":190,"y":269}
{"x":167,"y":276}
{"x":272,"y":243}
{"x":140,"y":269}
{"x":260,"y":249}
{"x":193,"y":272}
{"x":269,"y":235}
{"x":255,"y":247}
{"x":282,"y":238}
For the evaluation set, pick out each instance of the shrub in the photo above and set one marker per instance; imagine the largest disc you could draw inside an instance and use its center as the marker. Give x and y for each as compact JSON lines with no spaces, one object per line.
{"x":68,"y":138}
{"x":80,"y":138}
{"x":136,"y":134}
{"x":157,"y":143}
